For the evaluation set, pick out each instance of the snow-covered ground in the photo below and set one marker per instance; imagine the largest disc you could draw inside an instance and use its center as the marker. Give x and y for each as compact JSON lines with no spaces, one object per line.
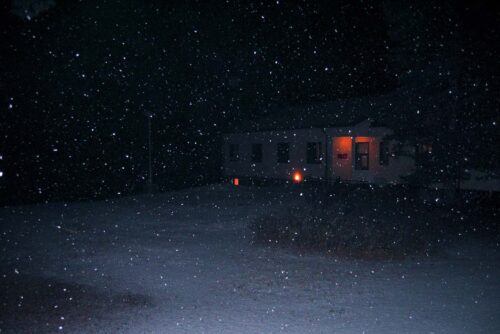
{"x":183,"y":263}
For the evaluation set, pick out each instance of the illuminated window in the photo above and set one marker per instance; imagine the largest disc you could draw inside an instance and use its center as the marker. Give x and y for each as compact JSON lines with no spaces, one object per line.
{"x":256,"y":152}
{"x":234,"y":152}
{"x":314,"y":153}
{"x":283,"y":152}
{"x":362,"y":156}
{"x":384,"y":153}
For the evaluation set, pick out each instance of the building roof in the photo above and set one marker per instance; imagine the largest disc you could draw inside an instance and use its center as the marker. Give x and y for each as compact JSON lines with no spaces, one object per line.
{"x":339,"y":113}
{"x":401,"y":110}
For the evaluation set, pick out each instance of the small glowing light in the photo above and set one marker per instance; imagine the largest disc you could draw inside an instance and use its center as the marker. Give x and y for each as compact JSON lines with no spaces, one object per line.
{"x":236,"y":181}
{"x":1,"y":173}
{"x":297,"y":177}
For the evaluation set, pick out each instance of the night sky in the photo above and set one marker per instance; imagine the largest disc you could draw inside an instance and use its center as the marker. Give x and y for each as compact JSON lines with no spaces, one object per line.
{"x":77,"y":79}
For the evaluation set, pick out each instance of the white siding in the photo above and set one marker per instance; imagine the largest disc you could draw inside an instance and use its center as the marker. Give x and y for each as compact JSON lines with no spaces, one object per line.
{"x":269,"y":167}
{"x":298,"y":139}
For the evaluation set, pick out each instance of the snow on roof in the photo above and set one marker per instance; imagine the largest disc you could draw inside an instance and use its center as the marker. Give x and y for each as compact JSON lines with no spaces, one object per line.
{"x":339,"y":113}
{"x":401,"y":110}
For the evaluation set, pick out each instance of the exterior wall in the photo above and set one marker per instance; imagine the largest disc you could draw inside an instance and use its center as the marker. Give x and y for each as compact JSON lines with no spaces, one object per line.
{"x":373,"y":160}
{"x":269,"y":167}
{"x":381,"y":174}
{"x":341,"y":168}
{"x":398,"y":167}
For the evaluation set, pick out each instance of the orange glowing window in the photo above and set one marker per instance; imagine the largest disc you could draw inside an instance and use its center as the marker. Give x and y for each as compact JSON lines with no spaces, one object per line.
{"x":236,"y":181}
{"x":297,"y":177}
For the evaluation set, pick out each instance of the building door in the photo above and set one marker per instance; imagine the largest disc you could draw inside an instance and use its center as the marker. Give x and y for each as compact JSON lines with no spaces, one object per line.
{"x":342,"y":158}
{"x":362,"y":159}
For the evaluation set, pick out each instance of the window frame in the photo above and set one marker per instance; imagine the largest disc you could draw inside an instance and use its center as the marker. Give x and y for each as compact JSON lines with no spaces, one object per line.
{"x":234,"y":152}
{"x":314,"y":153}
{"x":283,"y":153}
{"x":384,"y":153}
{"x":358,"y":165}
{"x":257,"y":155}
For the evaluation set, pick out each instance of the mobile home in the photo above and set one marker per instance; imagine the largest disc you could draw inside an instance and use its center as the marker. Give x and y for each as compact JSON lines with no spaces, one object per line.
{"x":359,"y":153}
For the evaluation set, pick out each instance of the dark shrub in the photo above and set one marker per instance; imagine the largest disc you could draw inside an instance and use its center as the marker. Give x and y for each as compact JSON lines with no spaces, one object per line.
{"x":369,"y":222}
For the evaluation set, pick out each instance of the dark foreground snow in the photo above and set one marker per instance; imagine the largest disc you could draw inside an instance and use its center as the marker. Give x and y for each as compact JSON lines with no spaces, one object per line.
{"x":183,"y":263}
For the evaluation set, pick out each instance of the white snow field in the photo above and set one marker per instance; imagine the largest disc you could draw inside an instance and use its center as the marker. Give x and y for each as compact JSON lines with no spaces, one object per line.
{"x":182,"y":262}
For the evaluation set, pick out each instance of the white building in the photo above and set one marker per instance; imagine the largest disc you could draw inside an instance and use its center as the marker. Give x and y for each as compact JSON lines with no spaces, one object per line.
{"x":360,"y":153}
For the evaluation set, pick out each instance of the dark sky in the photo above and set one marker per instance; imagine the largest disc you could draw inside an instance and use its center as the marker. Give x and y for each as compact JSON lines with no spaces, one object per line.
{"x":77,"y":78}
{"x":189,"y":55}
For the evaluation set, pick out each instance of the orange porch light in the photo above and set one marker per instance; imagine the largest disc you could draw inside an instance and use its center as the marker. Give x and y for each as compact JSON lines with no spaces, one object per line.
{"x":236,"y":181}
{"x":364,"y":139}
{"x":297,"y":176}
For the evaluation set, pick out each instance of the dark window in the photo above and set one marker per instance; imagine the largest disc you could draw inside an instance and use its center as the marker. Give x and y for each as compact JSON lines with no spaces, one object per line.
{"x":384,"y":153}
{"x":314,"y":153}
{"x":425,"y":148}
{"x":256,"y":152}
{"x":362,"y":156}
{"x":283,"y":152}
{"x":423,"y":154}
{"x":234,"y":152}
